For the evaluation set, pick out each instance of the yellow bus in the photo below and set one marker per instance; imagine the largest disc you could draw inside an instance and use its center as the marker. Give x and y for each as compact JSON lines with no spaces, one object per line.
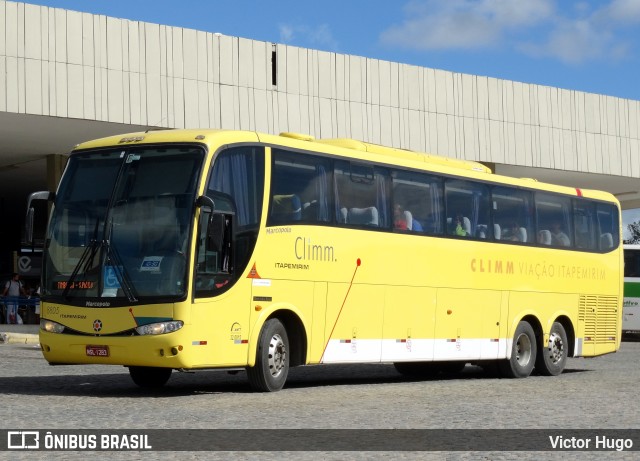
{"x":213,"y":249}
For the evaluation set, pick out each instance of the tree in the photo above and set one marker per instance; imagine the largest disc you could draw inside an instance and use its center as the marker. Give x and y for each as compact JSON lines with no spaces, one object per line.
{"x":634,"y":231}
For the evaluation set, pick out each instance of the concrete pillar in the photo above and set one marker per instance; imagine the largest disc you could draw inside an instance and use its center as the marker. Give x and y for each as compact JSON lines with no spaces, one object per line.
{"x":55,"y":167}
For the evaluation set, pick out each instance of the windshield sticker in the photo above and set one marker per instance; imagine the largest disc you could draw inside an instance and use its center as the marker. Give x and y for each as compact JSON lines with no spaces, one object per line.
{"x":111,"y":277}
{"x":132,"y":158}
{"x":151,"y":264}
{"x":110,"y":283}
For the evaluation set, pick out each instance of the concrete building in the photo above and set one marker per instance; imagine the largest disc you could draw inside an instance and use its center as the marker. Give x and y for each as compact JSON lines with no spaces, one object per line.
{"x":66,"y":77}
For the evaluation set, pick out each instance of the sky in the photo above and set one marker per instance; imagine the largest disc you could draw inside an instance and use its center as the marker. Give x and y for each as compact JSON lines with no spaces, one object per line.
{"x":585,"y":45}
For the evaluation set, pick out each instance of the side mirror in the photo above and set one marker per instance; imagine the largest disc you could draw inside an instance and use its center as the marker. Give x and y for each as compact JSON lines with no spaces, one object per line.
{"x":28,"y":225}
{"x":206,"y":204}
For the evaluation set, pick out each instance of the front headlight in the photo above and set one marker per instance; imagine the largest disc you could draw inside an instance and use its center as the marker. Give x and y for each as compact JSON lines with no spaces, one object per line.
{"x":160,"y":328}
{"x":51,"y":327}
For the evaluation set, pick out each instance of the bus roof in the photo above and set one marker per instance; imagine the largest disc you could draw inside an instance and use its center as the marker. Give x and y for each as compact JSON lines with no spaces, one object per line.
{"x":399,"y":153}
{"x":439,"y":163}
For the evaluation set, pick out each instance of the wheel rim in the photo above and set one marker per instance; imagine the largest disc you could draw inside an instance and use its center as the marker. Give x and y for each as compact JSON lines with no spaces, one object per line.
{"x":523,"y":350}
{"x":556,"y":348}
{"x":277,"y":355}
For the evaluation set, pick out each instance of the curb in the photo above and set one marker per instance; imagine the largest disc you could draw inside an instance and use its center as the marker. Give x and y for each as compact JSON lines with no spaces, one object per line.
{"x":18,"y":338}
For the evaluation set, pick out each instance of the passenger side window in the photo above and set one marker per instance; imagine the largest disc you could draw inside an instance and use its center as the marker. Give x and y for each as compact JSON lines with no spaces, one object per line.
{"x":584,"y":225}
{"x":608,"y":226}
{"x":555,"y":226}
{"x":299,"y":189}
{"x":238,"y":173}
{"x":361,"y":195}
{"x":468,"y":210}
{"x":417,"y":202}
{"x":512,"y":214}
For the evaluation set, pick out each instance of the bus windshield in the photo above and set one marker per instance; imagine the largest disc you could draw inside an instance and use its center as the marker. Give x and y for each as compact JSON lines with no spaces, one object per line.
{"x":120,"y":225}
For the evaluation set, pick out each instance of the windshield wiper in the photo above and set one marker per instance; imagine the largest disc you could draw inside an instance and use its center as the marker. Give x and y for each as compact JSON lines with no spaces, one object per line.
{"x":108,"y":254}
{"x":113,"y":257}
{"x":86,"y":259}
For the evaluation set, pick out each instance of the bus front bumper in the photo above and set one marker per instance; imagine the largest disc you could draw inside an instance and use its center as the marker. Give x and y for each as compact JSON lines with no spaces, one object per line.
{"x":165,"y":350}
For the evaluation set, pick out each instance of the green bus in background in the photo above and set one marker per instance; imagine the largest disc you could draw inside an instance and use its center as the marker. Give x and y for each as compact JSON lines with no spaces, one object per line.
{"x":631,"y":309}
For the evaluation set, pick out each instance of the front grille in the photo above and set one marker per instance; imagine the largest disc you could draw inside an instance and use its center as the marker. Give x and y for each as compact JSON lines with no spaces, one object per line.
{"x":71,"y":331}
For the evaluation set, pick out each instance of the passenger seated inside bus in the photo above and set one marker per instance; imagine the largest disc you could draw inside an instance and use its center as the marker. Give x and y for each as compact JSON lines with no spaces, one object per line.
{"x":516,"y":233}
{"x":401,"y":219}
{"x":512,"y":232}
{"x":558,"y":237}
{"x":461,"y":226}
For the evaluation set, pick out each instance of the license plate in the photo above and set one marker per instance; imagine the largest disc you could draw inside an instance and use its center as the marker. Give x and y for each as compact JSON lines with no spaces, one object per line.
{"x":98,"y":351}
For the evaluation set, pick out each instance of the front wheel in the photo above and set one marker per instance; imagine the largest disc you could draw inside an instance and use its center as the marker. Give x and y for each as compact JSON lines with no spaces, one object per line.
{"x":523,"y":353}
{"x":272,"y":358}
{"x":552,"y":357}
{"x":150,"y":377}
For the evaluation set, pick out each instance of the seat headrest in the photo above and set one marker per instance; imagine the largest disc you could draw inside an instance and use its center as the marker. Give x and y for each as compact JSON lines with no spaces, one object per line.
{"x":544,"y":237}
{"x":606,"y":241}
{"x":522,"y":234}
{"x":409,"y":219}
{"x":367,"y":216}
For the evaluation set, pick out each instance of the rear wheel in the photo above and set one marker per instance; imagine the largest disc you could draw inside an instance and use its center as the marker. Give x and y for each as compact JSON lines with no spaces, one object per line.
{"x":523,"y":353}
{"x":272,"y":358}
{"x":552,"y":356}
{"x":150,"y":377}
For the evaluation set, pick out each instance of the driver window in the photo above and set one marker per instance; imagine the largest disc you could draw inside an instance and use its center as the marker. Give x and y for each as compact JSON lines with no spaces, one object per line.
{"x":236,"y":186}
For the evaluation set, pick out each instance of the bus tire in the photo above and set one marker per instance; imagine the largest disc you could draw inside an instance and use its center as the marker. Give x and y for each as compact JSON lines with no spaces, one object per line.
{"x":272,"y":358}
{"x":552,"y":357}
{"x":417,"y":369}
{"x":523,"y":353}
{"x":150,"y":377}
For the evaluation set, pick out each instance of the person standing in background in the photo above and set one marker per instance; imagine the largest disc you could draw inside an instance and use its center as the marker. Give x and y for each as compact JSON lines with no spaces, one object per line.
{"x":13,"y":289}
